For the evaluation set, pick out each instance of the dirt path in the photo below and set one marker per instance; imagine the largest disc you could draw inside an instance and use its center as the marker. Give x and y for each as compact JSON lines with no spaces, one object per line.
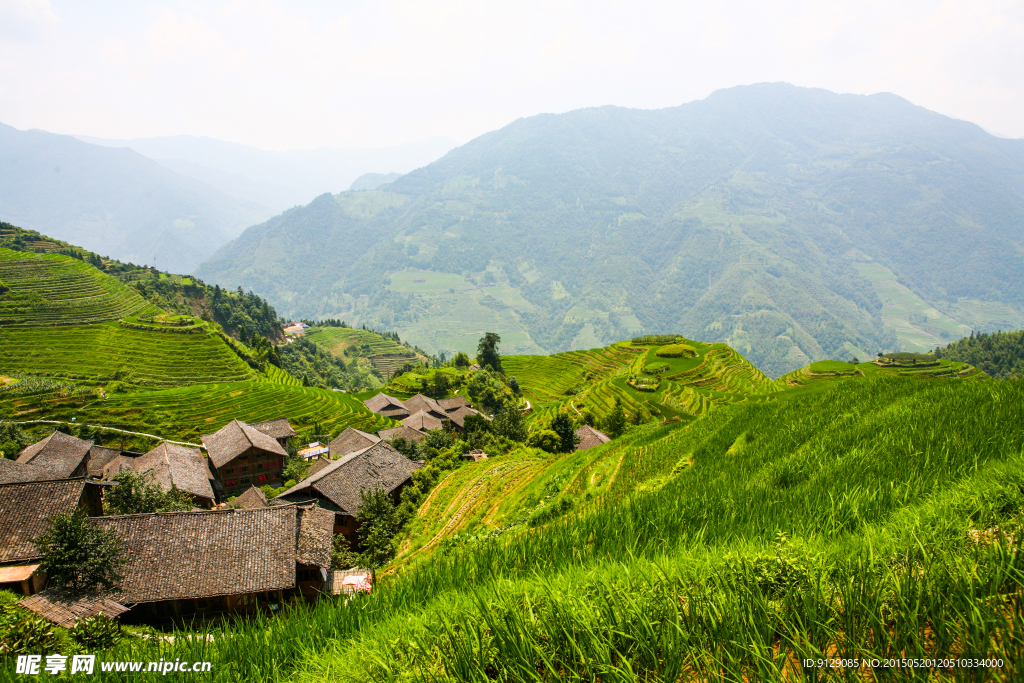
{"x":111,"y":429}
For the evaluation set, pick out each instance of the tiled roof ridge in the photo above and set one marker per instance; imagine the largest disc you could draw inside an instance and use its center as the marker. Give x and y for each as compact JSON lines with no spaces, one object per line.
{"x":46,"y":481}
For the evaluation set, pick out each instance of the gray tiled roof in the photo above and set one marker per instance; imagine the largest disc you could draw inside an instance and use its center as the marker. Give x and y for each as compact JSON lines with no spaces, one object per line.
{"x":251,"y":499}
{"x":12,"y":471}
{"x":99,"y":458}
{"x":458,"y":415}
{"x":450,"y":404}
{"x":423,"y":422}
{"x":315,"y":536}
{"x":382,"y":401}
{"x":407,"y":433}
{"x":58,"y":453}
{"x":181,"y":555}
{"x":318,"y":464}
{"x":235,"y":438}
{"x":351,"y":440}
{"x":421,"y":403}
{"x":590,"y":437}
{"x":378,"y":467}
{"x":278,"y":429}
{"x":180,"y":466}
{"x":25,"y":510}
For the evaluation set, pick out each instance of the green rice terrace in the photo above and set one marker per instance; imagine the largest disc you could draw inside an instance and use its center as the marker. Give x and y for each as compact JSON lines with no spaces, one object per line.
{"x":891,"y":364}
{"x":384,"y":354}
{"x":52,"y":289}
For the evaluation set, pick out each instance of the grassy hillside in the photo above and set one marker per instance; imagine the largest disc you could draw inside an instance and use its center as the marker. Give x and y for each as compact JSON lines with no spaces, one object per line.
{"x":793,"y":224}
{"x":900,"y":364}
{"x":729,"y":548}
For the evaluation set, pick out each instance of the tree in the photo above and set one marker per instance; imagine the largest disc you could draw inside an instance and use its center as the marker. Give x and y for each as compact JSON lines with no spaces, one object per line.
{"x":78,"y":555}
{"x":487,"y":352}
{"x":509,"y":424}
{"x":546,"y":440}
{"x":378,"y":527}
{"x":342,"y":556}
{"x":562,"y":426}
{"x":513,"y":384}
{"x":617,"y":420}
{"x":12,"y":439}
{"x":461,"y":360}
{"x":136,"y":493}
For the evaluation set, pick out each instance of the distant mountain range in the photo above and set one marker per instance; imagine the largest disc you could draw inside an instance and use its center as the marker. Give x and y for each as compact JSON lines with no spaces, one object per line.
{"x":278,"y":180}
{"x":795,"y":224}
{"x":115,"y":201}
{"x":173,"y":201}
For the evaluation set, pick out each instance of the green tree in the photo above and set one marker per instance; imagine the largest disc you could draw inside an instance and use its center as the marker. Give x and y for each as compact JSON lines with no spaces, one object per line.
{"x":342,"y":556}
{"x":136,"y":493}
{"x":513,"y":384}
{"x":78,"y":555}
{"x":461,"y":360}
{"x":378,"y":528}
{"x":487,"y":352}
{"x":509,"y":424}
{"x":12,"y":439}
{"x":616,"y":421}
{"x":562,"y":426}
{"x":546,"y":440}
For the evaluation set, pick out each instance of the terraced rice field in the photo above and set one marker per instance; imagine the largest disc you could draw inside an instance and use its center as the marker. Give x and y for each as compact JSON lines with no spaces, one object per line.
{"x":386,"y":355}
{"x":50,"y":289}
{"x":545,"y":379}
{"x":831,"y":371}
{"x":185,"y":413}
{"x":105,"y":352}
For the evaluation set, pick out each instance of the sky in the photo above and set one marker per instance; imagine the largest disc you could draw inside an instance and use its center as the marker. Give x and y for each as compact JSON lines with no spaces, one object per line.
{"x":348,"y":73}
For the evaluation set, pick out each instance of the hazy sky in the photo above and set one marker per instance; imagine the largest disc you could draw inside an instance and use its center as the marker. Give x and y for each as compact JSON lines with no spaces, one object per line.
{"x":347,"y":73}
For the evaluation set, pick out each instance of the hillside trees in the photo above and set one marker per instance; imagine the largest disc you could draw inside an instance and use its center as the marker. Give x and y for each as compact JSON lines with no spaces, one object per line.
{"x":562,"y":426}
{"x":1000,"y":354}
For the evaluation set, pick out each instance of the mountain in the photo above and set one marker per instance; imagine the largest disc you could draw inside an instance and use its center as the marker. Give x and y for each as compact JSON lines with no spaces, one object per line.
{"x":371,"y":181}
{"x":794,"y":224}
{"x":280,"y":180}
{"x":115,"y":201}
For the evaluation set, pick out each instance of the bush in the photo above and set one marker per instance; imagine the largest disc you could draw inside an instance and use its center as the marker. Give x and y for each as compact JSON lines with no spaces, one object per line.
{"x":546,"y":440}
{"x":655,"y":339}
{"x":21,"y":631}
{"x":96,"y":633}
{"x":656,"y":367}
{"x":676,"y":351}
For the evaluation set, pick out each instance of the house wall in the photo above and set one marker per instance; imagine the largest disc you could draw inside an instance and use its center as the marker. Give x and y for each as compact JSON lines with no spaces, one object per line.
{"x":254,"y":467}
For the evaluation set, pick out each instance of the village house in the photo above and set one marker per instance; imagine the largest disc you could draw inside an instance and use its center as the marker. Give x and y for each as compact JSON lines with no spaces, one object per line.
{"x":12,"y":471}
{"x":421,"y":414}
{"x":401,"y":432}
{"x":590,"y":437}
{"x":63,"y":611}
{"x":62,"y":455}
{"x":25,"y":511}
{"x":388,"y":406}
{"x":318,"y":465}
{"x":185,"y":566}
{"x":171,"y":465}
{"x":338,"y":487}
{"x":242,"y":456}
{"x":350,"y":441}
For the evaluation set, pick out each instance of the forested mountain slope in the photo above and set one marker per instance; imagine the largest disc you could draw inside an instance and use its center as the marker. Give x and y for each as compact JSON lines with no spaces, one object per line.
{"x":794,"y":224}
{"x":115,"y":201}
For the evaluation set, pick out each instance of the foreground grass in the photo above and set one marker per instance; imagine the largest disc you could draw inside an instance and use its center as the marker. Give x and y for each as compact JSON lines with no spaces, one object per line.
{"x":876,"y":519}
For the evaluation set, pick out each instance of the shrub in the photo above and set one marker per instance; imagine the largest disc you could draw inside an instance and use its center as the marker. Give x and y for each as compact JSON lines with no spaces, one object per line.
{"x":676,"y":351}
{"x":656,"y":367}
{"x":655,"y":339}
{"x":96,"y":633}
{"x":546,"y":440}
{"x":21,"y":631}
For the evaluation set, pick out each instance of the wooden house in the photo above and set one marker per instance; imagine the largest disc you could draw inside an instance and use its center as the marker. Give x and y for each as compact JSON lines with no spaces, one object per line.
{"x":339,"y":486}
{"x":251,"y":499}
{"x":388,"y":406}
{"x":242,"y":456}
{"x":64,"y":456}
{"x":590,"y":437}
{"x":171,"y":465}
{"x":185,"y":566}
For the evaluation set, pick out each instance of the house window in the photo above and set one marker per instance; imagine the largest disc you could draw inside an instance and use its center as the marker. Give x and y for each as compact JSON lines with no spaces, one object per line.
{"x":263,"y":477}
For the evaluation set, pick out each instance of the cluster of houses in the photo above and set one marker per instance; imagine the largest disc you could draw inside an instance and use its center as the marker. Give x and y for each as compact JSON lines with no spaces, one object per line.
{"x":235,"y":551}
{"x":245,"y":556}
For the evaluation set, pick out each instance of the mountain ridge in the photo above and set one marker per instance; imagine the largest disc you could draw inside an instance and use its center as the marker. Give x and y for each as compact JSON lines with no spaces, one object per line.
{"x":795,"y":224}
